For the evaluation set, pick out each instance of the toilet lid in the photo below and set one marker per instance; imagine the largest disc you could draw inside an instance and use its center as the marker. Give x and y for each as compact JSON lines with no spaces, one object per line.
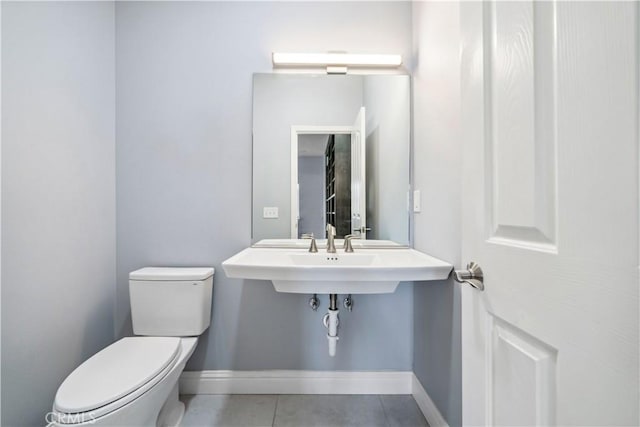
{"x":172,"y":273}
{"x":115,"y":372}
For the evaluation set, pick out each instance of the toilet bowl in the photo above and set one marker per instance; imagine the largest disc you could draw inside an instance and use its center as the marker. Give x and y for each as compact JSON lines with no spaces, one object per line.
{"x":134,"y":381}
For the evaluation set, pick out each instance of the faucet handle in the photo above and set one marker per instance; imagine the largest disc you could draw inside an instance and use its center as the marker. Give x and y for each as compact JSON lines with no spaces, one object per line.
{"x":348,"y":247}
{"x":313,"y":248}
{"x":331,"y":229}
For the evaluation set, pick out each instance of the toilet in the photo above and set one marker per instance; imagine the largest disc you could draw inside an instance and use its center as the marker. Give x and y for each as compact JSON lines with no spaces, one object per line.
{"x":134,"y":381}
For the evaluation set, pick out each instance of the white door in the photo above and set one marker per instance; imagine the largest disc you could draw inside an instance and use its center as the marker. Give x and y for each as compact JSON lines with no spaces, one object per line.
{"x":358,"y":176}
{"x":550,"y":212}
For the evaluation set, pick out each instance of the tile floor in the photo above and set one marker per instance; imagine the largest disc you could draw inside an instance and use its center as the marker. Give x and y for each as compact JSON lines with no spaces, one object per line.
{"x":301,"y":411}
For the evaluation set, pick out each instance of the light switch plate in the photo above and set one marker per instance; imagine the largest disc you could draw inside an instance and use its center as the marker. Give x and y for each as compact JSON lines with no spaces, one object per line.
{"x":416,"y":201}
{"x":270,"y":212}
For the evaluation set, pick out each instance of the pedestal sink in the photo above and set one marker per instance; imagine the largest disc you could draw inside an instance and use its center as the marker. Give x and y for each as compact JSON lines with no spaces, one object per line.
{"x":369,"y":270}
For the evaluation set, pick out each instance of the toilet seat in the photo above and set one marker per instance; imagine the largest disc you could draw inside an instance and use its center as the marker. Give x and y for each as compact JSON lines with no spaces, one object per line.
{"x":116,"y":376}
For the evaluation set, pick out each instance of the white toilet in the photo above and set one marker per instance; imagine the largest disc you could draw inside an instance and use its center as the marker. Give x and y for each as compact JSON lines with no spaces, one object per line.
{"x":134,"y":381}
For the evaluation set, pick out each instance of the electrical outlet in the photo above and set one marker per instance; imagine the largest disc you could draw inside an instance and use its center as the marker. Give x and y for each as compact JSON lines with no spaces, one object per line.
{"x":416,"y":201}
{"x":270,"y":212}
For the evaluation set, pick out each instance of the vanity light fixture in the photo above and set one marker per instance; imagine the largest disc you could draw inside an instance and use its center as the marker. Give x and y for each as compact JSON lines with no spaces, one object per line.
{"x":336,"y":62}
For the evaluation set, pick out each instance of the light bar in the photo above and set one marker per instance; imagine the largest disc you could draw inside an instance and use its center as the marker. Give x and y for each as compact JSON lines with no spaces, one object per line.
{"x":335,"y":59}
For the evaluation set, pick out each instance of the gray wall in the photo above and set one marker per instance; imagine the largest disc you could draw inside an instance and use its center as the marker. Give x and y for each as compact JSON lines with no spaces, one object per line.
{"x":388,"y":125}
{"x":184,"y":97}
{"x":437,"y":158}
{"x":58,"y":201}
{"x":311,"y":181}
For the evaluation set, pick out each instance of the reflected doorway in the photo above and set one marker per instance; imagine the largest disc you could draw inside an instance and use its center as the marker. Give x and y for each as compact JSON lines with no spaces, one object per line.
{"x":324,"y":184}
{"x":328,"y":179}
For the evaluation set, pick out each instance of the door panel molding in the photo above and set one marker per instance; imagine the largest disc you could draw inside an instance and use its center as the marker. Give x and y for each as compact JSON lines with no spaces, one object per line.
{"x":521,"y":376}
{"x":521,"y":124}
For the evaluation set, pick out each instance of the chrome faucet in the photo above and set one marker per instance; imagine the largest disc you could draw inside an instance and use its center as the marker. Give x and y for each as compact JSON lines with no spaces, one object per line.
{"x":331,"y":245}
{"x":312,"y":247}
{"x":348,"y":247}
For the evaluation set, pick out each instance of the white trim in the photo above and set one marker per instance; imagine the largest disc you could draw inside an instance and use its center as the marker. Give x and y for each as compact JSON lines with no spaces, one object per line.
{"x":296,"y":382}
{"x":426,"y":405}
{"x":359,"y":169}
{"x":294,"y":183}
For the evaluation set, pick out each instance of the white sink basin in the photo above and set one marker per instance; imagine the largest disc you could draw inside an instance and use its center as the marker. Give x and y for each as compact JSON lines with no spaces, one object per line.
{"x":353,"y":259}
{"x":366,"y":271}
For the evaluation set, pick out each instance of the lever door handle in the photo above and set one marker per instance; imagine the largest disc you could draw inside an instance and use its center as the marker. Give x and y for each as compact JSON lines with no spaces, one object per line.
{"x":472,"y":275}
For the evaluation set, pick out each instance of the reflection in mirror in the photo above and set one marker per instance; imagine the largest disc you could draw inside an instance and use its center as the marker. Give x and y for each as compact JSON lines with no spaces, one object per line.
{"x":324,"y":185}
{"x":312,"y":184}
{"x":331,"y":150}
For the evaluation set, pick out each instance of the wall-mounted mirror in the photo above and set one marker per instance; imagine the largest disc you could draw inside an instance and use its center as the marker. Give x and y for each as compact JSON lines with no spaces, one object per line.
{"x":331,"y":149}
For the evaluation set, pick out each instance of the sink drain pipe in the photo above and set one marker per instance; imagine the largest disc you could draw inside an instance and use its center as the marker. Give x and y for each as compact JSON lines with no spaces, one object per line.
{"x":331,"y":322}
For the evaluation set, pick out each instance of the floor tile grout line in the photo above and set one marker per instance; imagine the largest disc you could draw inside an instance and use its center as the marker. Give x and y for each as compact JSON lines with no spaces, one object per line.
{"x":275,"y":410}
{"x":384,"y":411}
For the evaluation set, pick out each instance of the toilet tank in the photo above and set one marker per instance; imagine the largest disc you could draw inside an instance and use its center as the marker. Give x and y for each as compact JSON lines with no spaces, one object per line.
{"x":171,"y":301}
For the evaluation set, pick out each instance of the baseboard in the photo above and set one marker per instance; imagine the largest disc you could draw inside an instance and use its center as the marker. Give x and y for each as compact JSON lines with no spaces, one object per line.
{"x":426,"y":405}
{"x":296,"y":382}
